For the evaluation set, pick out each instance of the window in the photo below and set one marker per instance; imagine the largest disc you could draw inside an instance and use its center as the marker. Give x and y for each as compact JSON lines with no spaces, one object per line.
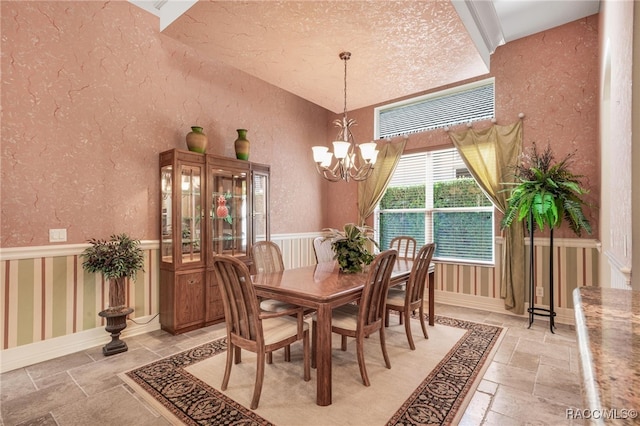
{"x":432,"y":197}
{"x":462,"y":104}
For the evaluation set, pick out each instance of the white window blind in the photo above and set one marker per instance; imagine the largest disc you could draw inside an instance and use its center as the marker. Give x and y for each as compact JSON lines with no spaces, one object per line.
{"x":464,"y":104}
{"x":431,"y":198}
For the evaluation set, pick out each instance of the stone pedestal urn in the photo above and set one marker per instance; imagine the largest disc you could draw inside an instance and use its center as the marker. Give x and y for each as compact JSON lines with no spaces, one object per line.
{"x":116,"y":322}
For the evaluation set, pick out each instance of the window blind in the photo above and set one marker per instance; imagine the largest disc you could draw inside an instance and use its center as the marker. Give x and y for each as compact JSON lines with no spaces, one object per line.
{"x":463,"y":105}
{"x":432,"y":198}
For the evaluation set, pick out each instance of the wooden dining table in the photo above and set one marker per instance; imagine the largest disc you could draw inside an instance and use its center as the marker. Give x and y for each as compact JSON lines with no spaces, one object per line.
{"x":323,"y":287}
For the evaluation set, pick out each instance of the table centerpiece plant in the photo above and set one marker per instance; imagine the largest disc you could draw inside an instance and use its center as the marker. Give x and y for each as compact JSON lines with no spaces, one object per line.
{"x":117,"y":259}
{"x":350,"y":246}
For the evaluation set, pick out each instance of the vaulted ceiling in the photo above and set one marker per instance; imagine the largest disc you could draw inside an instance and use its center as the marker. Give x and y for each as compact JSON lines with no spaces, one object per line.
{"x":397,"y":47}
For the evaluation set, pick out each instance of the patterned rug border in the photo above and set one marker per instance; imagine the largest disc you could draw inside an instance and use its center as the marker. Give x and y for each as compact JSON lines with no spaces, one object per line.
{"x":436,"y":401}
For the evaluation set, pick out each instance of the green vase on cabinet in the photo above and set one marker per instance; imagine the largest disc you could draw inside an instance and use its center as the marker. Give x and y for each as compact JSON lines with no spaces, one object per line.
{"x":197,"y":140}
{"x":242,"y":145}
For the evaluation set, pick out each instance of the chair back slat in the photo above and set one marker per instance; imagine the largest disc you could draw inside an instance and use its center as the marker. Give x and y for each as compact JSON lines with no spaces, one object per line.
{"x":323,"y":250}
{"x":267,"y":257}
{"x":239,"y":300}
{"x":374,"y":293}
{"x":405,"y":245}
{"x":419,"y":272}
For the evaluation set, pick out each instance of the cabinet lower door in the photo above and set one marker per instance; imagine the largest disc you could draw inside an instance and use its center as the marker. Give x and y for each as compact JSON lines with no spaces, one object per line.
{"x":189,"y":300}
{"x":215,"y":310}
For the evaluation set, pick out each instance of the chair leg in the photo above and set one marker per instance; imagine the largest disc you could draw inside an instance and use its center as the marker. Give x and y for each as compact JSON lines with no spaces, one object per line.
{"x":386,"y":317}
{"x":269,"y":358}
{"x":227,"y":368}
{"x":343,"y":345}
{"x":423,"y":322}
{"x":360,"y":354}
{"x":238,"y":354}
{"x":383,"y":344}
{"x":259,"y":379}
{"x":407,"y":327}
{"x":287,"y":353}
{"x":305,"y":351}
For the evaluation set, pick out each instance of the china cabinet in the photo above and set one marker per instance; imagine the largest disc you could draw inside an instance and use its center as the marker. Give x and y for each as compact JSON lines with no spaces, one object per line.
{"x":209,"y":205}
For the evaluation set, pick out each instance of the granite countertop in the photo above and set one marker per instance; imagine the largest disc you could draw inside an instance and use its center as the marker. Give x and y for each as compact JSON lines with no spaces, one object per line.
{"x":608,"y":328}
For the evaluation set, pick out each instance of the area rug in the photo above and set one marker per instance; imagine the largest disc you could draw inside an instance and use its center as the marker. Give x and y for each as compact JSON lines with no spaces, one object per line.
{"x":429,"y":386}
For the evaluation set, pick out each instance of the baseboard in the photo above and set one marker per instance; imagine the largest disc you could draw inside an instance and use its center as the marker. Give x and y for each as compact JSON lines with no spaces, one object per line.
{"x":22,"y":356}
{"x":563,"y":315}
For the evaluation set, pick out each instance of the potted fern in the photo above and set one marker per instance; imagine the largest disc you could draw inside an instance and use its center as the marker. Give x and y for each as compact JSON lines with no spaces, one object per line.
{"x":117,"y":259}
{"x":350,"y":246}
{"x":545,"y":194}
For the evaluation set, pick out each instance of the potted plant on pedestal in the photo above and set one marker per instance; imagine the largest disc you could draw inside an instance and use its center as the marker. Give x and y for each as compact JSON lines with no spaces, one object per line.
{"x":545,"y":194}
{"x":118,"y":259}
{"x":350,"y":246}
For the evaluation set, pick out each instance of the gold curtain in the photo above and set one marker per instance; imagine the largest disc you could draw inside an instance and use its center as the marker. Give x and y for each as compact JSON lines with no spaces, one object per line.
{"x":371,"y":190}
{"x":491,"y":156}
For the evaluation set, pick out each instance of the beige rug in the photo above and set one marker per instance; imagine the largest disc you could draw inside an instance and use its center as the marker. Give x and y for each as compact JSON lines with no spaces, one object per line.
{"x":428,"y":386}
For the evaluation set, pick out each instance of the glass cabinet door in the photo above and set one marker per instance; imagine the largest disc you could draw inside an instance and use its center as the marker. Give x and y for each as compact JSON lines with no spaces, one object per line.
{"x":228,"y":214}
{"x":191,"y":208}
{"x":166,"y":213}
{"x":260,"y":205}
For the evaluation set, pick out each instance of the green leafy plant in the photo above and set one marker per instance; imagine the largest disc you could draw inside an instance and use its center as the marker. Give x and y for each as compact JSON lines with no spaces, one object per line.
{"x":116,"y":259}
{"x":549,"y":192}
{"x":350,"y":246}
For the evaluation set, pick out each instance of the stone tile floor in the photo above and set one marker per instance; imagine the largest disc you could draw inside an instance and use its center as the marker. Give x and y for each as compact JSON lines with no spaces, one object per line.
{"x":533,"y":379}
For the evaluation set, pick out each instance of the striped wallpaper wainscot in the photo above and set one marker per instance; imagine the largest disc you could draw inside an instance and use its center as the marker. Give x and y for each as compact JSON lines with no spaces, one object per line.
{"x":49,"y":305}
{"x":50,"y":296}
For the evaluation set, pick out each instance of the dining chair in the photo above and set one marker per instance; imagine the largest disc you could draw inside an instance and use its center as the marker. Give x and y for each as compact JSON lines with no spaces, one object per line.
{"x":267,"y":258}
{"x":323,"y":250}
{"x":250,"y":328}
{"x":405,"y":245}
{"x":363,"y":319}
{"x":412,"y":297}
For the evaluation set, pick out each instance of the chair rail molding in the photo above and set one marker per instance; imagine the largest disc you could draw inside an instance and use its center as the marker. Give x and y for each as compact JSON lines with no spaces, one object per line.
{"x":620,"y":273}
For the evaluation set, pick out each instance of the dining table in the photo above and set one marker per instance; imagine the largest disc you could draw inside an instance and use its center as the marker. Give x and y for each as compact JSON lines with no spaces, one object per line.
{"x":323,"y":287}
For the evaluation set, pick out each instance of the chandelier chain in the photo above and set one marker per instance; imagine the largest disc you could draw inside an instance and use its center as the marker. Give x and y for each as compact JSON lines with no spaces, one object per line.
{"x":345,"y":59}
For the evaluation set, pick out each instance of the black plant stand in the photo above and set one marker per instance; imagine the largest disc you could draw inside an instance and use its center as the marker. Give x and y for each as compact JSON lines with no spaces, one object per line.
{"x":533,"y":309}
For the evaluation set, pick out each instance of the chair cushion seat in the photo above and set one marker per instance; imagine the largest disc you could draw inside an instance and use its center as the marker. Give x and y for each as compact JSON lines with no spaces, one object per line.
{"x":396,"y":297}
{"x":345,"y":317}
{"x":273,"y":305}
{"x":280,"y":328}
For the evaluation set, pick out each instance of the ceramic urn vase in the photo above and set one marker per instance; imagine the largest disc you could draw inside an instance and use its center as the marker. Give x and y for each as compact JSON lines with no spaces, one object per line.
{"x":197,"y":140}
{"x":242,"y":145}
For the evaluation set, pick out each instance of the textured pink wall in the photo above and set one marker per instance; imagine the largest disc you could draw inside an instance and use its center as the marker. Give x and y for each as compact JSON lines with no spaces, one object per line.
{"x":552,"y":77}
{"x":92,"y":92}
{"x":617,"y":41}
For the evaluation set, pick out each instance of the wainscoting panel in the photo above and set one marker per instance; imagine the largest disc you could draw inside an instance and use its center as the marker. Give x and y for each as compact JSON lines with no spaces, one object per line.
{"x":575,"y":265}
{"x":52,"y":296}
{"x":49,"y":305}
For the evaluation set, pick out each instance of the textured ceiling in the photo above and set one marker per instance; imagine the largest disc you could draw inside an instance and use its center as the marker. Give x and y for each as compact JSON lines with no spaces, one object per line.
{"x":398,"y":47}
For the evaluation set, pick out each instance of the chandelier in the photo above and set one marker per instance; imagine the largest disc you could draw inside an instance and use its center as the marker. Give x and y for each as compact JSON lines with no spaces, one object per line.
{"x":348,"y":163}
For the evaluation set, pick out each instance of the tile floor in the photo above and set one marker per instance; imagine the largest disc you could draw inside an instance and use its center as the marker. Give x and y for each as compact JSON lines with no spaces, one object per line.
{"x":533,"y":379}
